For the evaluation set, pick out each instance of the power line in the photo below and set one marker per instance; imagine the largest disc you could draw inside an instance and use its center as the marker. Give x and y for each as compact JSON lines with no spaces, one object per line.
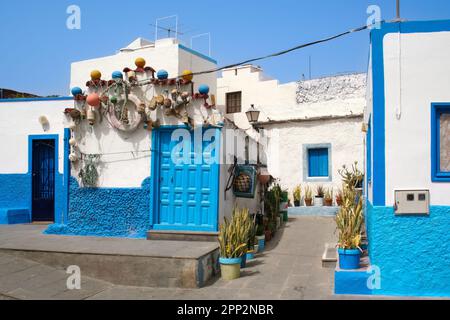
{"x":284,"y":51}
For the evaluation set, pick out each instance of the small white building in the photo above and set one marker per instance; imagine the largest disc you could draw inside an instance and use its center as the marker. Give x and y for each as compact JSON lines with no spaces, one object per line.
{"x":139,"y":147}
{"x":314,"y":125}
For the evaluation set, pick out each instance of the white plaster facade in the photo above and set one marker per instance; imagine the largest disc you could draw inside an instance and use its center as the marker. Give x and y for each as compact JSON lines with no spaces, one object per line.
{"x":295,"y":114}
{"x":18,"y":120}
{"x":410,"y":88}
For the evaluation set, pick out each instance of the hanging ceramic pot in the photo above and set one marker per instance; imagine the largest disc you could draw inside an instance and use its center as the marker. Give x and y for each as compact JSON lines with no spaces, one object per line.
{"x":91,"y":117}
{"x":73,"y":157}
{"x":153,"y":104}
{"x":141,"y":108}
{"x":73,"y":142}
{"x":160,"y":100}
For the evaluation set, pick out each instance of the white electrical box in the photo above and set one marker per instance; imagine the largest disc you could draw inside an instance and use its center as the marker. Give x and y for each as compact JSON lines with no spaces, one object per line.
{"x":412,"y":202}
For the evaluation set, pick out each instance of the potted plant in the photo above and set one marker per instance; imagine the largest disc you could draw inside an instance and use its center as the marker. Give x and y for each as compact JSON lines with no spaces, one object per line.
{"x":339,"y":196}
{"x":297,"y":194}
{"x":349,"y":223}
{"x":252,"y":241}
{"x":328,"y":199}
{"x":232,"y":248}
{"x":318,"y":199}
{"x":308,"y":196}
{"x":260,"y":237}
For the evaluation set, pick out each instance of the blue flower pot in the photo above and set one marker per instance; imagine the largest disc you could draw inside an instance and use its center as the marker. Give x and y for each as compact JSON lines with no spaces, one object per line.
{"x":261,"y":244}
{"x":243,"y":261}
{"x":250,"y":255}
{"x":349,"y":259}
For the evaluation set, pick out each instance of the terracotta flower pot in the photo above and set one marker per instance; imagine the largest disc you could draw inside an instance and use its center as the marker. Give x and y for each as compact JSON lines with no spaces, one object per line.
{"x":328,"y":202}
{"x":308,"y":202}
{"x":339,"y":202}
{"x":268,"y":235}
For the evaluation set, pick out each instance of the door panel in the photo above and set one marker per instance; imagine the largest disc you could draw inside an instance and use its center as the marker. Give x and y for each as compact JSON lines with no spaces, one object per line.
{"x":43,"y":180}
{"x":187,"y":193}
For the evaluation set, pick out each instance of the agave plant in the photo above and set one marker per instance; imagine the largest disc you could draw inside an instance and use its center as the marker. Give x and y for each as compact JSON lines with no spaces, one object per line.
{"x":320,"y":191}
{"x":297,"y":193}
{"x":308,"y":193}
{"x":329,"y":194}
{"x":234,"y":234}
{"x":351,"y":178}
{"x":349,"y":221}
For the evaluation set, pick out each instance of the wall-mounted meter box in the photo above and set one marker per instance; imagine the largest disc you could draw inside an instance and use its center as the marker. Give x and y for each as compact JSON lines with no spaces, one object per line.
{"x":412,"y":202}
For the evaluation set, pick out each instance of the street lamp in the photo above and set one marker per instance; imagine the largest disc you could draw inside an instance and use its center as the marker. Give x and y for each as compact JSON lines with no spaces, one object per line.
{"x":253,"y":114}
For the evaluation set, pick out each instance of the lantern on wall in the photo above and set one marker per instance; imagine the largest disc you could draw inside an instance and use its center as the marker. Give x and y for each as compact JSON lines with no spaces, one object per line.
{"x":253,"y":114}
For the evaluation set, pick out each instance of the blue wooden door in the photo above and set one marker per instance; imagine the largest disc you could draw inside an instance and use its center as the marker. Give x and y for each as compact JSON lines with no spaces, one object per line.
{"x":187,"y":192}
{"x":43,"y":180}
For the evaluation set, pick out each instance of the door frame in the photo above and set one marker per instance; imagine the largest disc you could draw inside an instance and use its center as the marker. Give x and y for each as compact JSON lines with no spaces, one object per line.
{"x":155,"y":180}
{"x":31,"y":139}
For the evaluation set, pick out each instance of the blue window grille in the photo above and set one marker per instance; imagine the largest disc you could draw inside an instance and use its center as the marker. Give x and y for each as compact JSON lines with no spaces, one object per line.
{"x":440,"y":172}
{"x":318,"y":162}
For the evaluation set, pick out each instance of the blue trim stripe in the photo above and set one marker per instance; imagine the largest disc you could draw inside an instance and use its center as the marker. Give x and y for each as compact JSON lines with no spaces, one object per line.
{"x":36,"y":99}
{"x":196,"y":53}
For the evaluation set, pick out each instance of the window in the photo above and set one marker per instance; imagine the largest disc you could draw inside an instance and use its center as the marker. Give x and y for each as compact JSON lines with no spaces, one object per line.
{"x":440,"y":142}
{"x":317,"y":163}
{"x":234,"y":102}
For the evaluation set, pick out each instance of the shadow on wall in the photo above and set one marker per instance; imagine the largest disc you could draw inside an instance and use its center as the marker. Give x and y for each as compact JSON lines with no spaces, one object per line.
{"x":106,"y":212}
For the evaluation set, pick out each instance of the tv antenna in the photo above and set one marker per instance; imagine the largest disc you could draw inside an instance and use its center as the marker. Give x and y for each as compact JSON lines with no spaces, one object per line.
{"x":200,"y":36}
{"x":169,"y":30}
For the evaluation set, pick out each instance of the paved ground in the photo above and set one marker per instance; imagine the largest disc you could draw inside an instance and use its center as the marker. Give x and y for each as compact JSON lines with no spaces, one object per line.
{"x":290,"y":268}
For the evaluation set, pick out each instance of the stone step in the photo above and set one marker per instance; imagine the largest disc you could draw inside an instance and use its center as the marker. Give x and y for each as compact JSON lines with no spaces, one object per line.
{"x":329,"y":257}
{"x":182,"y":235}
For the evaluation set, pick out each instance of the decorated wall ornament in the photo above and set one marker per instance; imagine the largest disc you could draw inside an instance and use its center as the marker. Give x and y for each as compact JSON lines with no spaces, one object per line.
{"x":187,"y":76}
{"x":117,"y":75}
{"x":93,"y":100}
{"x":76,"y":91}
{"x":73,"y":157}
{"x":203,"y":89}
{"x":162,"y":75}
{"x":73,"y":142}
{"x":90,"y":115}
{"x":121,"y":119}
{"x":44,"y":122}
{"x":96,"y":75}
{"x":75,"y":114}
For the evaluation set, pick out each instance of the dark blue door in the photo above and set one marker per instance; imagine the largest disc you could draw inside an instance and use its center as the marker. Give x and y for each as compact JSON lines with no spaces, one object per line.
{"x":43,"y":180}
{"x":187,"y":195}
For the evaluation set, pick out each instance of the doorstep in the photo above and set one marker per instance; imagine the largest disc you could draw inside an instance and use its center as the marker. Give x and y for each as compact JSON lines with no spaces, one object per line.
{"x":182,"y":235}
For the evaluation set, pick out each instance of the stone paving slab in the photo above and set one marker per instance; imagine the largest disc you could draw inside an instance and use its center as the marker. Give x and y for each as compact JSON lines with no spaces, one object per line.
{"x":31,"y":238}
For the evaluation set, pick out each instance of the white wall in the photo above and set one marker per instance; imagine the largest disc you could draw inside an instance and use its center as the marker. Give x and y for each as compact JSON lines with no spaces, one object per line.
{"x":129,"y":170}
{"x":329,"y":96}
{"x":346,"y":141}
{"x":425,"y":69}
{"x":18,"y":120}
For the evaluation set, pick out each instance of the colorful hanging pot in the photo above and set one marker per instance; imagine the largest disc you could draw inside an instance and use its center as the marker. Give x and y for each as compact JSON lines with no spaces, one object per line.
{"x":76,"y":91}
{"x":162,"y":75}
{"x":93,"y":100}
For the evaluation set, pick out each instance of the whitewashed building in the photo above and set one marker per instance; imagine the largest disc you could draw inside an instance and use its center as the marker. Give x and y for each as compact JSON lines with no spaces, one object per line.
{"x":314,"y":125}
{"x":101,"y":163}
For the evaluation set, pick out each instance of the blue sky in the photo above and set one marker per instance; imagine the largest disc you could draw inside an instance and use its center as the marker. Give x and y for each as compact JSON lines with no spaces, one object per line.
{"x":37,"y":48}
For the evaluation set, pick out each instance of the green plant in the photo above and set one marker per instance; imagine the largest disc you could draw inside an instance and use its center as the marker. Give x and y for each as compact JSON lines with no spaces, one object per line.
{"x":353,"y":178}
{"x":252,"y":233}
{"x":339,"y":195}
{"x":329,"y":194}
{"x":297,"y":193}
{"x":260,"y":230}
{"x":308,"y":193}
{"x":234,"y":234}
{"x":320,"y":191}
{"x":349,"y":221}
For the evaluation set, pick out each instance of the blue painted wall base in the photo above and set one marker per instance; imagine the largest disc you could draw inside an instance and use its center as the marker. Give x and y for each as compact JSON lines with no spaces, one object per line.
{"x":351,"y":282}
{"x":412,"y":252}
{"x":106,"y":212}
